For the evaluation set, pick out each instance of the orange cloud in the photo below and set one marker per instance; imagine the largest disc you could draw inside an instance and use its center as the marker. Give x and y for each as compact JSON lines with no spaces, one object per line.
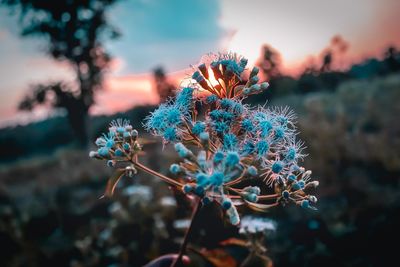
{"x":123,"y":93}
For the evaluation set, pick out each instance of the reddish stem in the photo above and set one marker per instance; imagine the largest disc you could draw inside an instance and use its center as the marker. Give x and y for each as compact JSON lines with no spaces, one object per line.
{"x":182,"y":250}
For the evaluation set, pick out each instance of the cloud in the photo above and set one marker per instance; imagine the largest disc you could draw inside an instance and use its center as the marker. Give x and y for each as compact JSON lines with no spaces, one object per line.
{"x":22,"y":63}
{"x":3,"y":35}
{"x":124,"y":92}
{"x":171,"y":33}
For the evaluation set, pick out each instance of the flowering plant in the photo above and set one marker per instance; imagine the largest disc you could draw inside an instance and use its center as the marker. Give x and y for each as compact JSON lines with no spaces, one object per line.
{"x":225,"y":146}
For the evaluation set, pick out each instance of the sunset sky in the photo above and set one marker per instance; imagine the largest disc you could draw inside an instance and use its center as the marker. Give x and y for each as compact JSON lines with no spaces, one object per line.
{"x":176,"y":33}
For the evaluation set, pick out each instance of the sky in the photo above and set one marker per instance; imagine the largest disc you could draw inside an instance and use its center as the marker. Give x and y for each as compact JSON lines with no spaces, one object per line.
{"x":176,"y":33}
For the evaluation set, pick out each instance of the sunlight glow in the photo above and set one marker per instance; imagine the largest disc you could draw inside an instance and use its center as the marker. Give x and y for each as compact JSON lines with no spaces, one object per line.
{"x":211,"y":78}
{"x":297,"y":29}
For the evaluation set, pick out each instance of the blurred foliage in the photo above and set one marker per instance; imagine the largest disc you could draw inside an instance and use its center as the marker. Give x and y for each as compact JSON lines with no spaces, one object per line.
{"x":51,"y":215}
{"x":33,"y":139}
{"x":45,"y":137}
{"x":75,"y":31}
{"x":325,"y":76}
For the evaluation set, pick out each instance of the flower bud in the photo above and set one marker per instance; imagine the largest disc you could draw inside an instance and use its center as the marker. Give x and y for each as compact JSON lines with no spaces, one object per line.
{"x":254,"y":72}
{"x":187,"y":188}
{"x":233,"y":215}
{"x":204,"y":137}
{"x":103,"y":152}
{"x":254,"y":80}
{"x":203,"y":69}
{"x":226,"y":204}
{"x":264,"y":85}
{"x":175,"y":169}
{"x":93,"y":154}
{"x":252,"y":171}
{"x":111,"y":163}
{"x":285,"y":194}
{"x":313,"y":199}
{"x":312,"y":184}
{"x":118,"y":153}
{"x":130,"y":171}
{"x":134,"y":133}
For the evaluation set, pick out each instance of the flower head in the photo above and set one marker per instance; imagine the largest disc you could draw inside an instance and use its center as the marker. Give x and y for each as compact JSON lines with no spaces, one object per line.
{"x":119,"y":145}
{"x":166,"y":121}
{"x":223,"y":145}
{"x":184,"y":98}
{"x":119,"y":126}
{"x":208,"y":177}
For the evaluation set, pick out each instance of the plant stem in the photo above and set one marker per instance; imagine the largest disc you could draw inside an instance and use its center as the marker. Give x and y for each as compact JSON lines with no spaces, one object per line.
{"x":182,"y":250}
{"x":272,"y":196}
{"x":159,"y":175}
{"x":247,"y":260}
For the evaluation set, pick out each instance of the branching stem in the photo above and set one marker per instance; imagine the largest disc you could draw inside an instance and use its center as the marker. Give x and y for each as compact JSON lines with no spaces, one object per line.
{"x":157,"y":174}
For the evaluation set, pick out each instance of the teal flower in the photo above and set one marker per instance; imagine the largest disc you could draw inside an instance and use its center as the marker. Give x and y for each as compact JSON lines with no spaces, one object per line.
{"x":198,"y":127}
{"x":235,"y":144}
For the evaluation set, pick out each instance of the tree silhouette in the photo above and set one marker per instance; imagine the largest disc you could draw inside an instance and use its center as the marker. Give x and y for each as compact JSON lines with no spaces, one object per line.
{"x":164,"y":88}
{"x":392,"y":59}
{"x":326,"y":61}
{"x":269,"y":62}
{"x":333,"y":53}
{"x":74,"y":30}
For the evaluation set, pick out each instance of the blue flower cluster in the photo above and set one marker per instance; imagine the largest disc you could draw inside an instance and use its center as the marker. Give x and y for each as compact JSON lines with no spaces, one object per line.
{"x":237,"y":143}
{"x":205,"y":177}
{"x":169,"y":119}
{"x":118,"y":144}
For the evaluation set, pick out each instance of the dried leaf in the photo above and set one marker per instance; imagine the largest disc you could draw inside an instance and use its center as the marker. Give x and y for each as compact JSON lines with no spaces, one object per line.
{"x":112,"y":183}
{"x":235,"y":242}
{"x":260,"y":207}
{"x":218,"y":257}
